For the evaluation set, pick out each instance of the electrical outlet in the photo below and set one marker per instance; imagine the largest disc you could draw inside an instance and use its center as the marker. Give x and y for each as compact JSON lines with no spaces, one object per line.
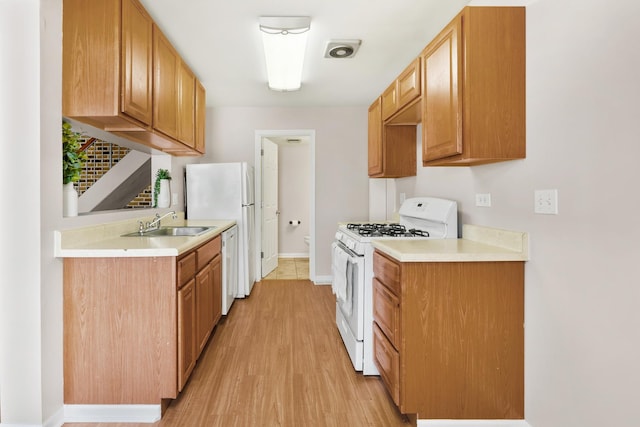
{"x":483,"y":200}
{"x":546,"y":202}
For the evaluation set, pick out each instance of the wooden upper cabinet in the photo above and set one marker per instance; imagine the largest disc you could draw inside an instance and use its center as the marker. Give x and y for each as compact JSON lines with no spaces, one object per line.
{"x":122,"y":75}
{"x":399,"y":100}
{"x":107,"y":64}
{"x":409,"y":84}
{"x":390,"y":100}
{"x":166,"y":71}
{"x":375,"y":138}
{"x":201,"y":115}
{"x":174,"y":97}
{"x":473,"y":104}
{"x":137,"y":62}
{"x":392,"y":149}
{"x":442,"y":135}
{"x":186,"y":106}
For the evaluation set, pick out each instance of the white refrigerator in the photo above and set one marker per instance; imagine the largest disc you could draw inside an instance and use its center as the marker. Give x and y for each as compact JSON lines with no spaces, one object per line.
{"x":225,"y":191}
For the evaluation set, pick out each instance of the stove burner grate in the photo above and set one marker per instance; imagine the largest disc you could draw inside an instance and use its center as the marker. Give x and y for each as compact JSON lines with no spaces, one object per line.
{"x":386,"y":230}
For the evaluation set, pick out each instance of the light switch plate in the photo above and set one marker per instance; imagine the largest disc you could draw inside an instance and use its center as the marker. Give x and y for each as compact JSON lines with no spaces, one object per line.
{"x":546,"y":202}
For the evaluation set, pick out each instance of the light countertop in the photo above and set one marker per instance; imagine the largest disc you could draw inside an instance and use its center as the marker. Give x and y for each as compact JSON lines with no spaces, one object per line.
{"x":106,"y":241}
{"x":476,"y":245}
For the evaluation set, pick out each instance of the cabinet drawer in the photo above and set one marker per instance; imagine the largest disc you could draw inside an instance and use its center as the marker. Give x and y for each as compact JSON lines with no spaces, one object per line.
{"x":208,"y":251}
{"x":186,"y":268}
{"x":387,"y":359}
{"x":387,"y":271}
{"x":386,"y":312}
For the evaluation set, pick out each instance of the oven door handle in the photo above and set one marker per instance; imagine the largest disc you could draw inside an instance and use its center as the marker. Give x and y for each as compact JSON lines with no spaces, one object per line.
{"x":353,"y":257}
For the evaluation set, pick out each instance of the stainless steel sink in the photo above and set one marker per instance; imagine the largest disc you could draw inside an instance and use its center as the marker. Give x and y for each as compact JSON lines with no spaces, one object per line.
{"x":171,"y":231}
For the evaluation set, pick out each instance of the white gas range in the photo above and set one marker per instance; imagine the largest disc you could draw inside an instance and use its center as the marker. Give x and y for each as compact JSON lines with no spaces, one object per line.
{"x":352,"y":264}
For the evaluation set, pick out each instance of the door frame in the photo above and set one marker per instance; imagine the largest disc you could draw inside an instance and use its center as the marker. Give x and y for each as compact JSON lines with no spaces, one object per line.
{"x":259,"y":135}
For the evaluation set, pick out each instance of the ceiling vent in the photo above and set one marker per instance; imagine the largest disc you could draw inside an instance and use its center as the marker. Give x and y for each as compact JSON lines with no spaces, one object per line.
{"x":341,"y":48}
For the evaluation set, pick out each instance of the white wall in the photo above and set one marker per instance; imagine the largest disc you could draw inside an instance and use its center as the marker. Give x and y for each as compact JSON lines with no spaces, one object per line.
{"x":582,"y":343}
{"x":22,"y":295}
{"x":341,"y":183}
{"x":293,"y":198}
{"x":31,"y":376}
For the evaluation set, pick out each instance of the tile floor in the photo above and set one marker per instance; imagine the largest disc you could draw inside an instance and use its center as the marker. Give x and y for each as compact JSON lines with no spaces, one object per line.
{"x":290,"y":269}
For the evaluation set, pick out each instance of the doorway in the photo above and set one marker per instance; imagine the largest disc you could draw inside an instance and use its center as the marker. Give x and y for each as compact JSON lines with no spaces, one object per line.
{"x":283,"y":138}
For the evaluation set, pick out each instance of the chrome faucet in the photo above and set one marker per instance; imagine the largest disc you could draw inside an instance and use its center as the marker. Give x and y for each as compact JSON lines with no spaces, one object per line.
{"x":155,"y":224}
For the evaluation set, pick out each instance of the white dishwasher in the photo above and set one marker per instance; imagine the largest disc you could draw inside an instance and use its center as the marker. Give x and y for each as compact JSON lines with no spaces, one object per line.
{"x":229,"y":267}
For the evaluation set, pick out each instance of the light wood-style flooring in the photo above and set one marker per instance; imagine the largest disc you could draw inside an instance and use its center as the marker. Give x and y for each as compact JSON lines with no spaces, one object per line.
{"x":277,"y":359}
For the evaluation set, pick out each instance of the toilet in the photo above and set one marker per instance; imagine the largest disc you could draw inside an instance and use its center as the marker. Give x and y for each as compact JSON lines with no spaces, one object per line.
{"x":306,"y":240}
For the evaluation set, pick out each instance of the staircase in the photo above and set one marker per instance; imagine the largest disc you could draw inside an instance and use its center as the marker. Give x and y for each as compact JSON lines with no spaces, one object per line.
{"x":121,"y":184}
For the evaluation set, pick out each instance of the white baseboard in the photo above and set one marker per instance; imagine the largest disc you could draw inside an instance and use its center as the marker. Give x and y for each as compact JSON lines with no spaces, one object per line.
{"x":19,"y":425}
{"x":322,"y":280}
{"x":112,"y":413}
{"x":473,"y":423}
{"x":294,"y":255}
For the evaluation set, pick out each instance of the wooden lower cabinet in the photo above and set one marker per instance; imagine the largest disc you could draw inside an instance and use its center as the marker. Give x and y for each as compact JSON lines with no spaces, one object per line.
{"x":135,"y":327}
{"x":204,"y":309}
{"x":209,"y":308}
{"x":449,"y":337}
{"x":216,"y":273}
{"x":198,"y":307}
{"x":187,"y":337}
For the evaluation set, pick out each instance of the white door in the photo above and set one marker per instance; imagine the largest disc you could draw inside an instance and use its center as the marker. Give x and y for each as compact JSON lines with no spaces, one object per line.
{"x":269,"y":206}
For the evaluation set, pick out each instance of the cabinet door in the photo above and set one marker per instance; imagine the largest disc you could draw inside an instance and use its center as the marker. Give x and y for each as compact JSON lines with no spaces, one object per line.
{"x":90,"y":59}
{"x":201,"y":114}
{"x":165,"y":85}
{"x":409,"y":84}
{"x":204,"y":306}
{"x":186,"y":105}
{"x":441,"y":102}
{"x":390,"y":100}
{"x":375,"y":138}
{"x":216,"y":274}
{"x":137,"y":65}
{"x":186,"y":332}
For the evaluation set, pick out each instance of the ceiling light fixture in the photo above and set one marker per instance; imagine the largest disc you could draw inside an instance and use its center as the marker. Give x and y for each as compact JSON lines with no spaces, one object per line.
{"x":285,"y":40}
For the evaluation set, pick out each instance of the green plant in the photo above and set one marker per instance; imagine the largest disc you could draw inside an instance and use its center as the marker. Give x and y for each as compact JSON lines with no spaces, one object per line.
{"x":160,"y":174}
{"x":72,"y":158}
